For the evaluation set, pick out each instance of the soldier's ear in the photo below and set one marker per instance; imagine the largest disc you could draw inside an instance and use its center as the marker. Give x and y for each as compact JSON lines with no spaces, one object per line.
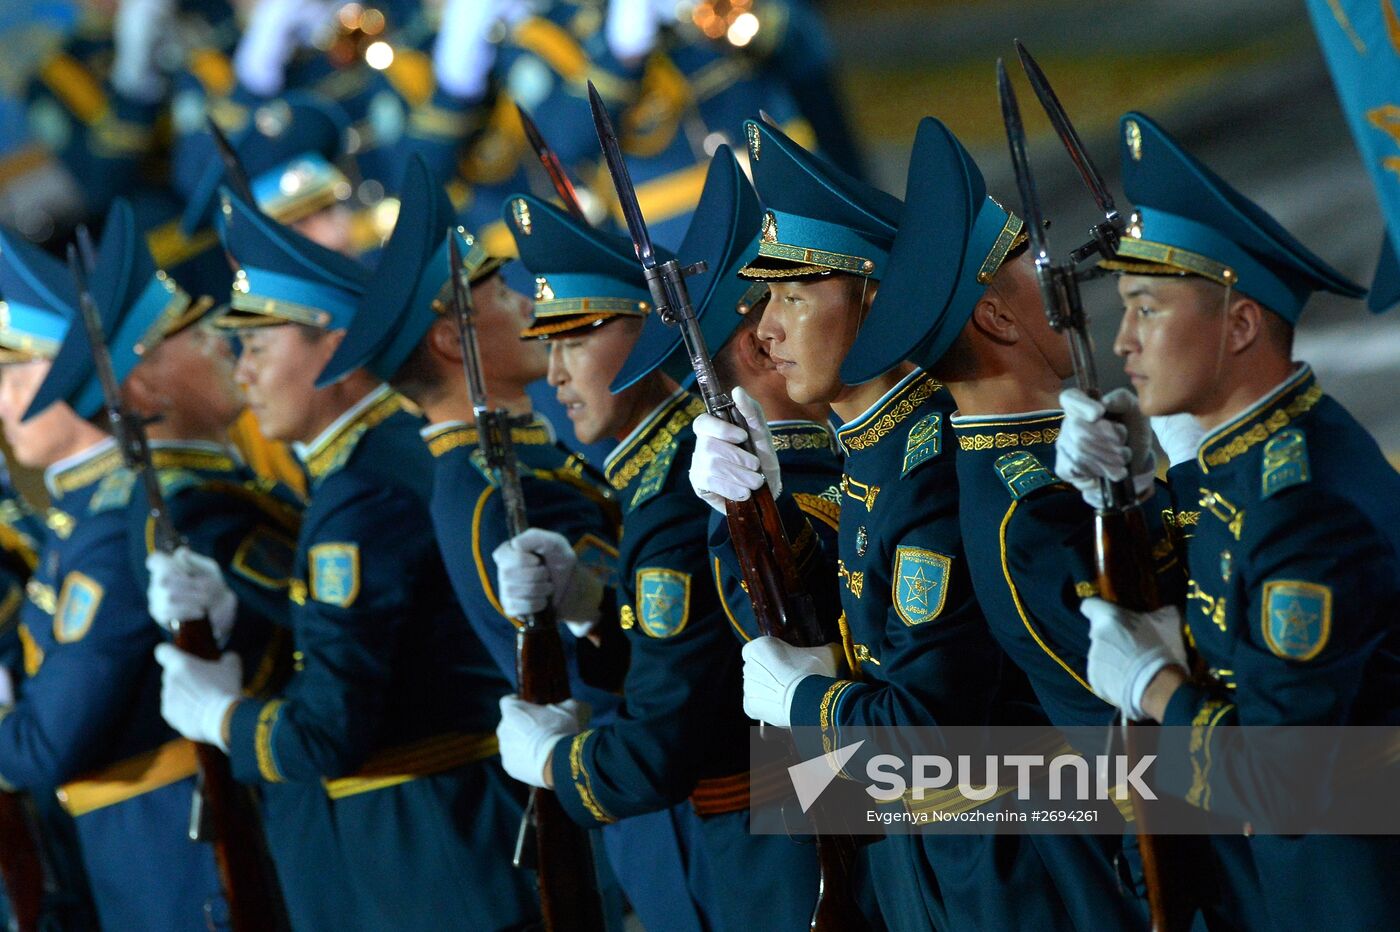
{"x":1244,"y":324}
{"x":993,"y":317}
{"x":443,"y":341}
{"x":142,"y":392}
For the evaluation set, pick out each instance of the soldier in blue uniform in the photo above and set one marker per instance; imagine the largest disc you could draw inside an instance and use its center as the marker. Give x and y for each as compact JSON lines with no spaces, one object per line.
{"x":36,"y":322}
{"x":1027,"y":535}
{"x":300,"y":45}
{"x":88,"y":720}
{"x":1293,"y":566}
{"x":289,"y":152}
{"x":380,"y":747}
{"x":921,"y":650}
{"x":681,"y":737}
{"x":406,"y":333}
{"x":729,"y":310}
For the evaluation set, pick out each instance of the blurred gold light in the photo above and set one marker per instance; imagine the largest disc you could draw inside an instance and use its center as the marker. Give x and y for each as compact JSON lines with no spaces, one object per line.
{"x":743,"y":29}
{"x":379,"y":55}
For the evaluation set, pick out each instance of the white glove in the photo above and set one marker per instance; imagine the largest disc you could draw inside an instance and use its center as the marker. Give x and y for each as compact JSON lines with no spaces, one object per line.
{"x":7,"y":687}
{"x":721,"y":469}
{"x":276,"y":29}
{"x":1127,"y":649}
{"x":463,"y":52}
{"x":528,"y":732}
{"x":536,"y":566}
{"x":772,"y":670}
{"x":186,"y":585}
{"x":138,"y":28}
{"x":1091,"y":446}
{"x":1180,"y":436}
{"x":631,"y":29}
{"x":195,"y":695}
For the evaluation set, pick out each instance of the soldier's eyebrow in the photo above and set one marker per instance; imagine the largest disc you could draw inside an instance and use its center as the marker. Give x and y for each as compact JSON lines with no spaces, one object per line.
{"x":1140,"y":291}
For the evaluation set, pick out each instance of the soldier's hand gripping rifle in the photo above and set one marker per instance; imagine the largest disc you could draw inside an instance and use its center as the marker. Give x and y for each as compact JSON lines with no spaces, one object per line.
{"x":556,"y":846}
{"x":1122,"y":545}
{"x":781,"y":606}
{"x":221,"y":814}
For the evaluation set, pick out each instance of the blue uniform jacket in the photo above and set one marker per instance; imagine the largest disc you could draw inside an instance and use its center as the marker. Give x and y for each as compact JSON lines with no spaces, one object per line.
{"x":88,"y":722}
{"x":924,"y":655}
{"x":381,"y":749}
{"x":811,"y":509}
{"x":562,"y":494}
{"x":1295,"y":573}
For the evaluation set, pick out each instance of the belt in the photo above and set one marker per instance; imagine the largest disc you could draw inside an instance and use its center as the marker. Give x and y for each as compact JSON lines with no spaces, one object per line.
{"x":737,"y":792}
{"x":406,"y":762}
{"x":952,"y":801}
{"x":127,"y":779}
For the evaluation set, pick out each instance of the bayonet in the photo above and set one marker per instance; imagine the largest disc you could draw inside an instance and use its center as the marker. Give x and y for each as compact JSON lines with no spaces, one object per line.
{"x":558,"y":177}
{"x":233,"y":168}
{"x":1107,"y":233}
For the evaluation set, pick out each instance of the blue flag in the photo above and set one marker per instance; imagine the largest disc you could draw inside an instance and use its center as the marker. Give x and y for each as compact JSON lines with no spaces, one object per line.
{"x":1361,"y":41}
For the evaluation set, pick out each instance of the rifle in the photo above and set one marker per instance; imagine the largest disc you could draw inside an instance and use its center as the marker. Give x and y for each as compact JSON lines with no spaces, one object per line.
{"x":1122,"y":544}
{"x":781,"y":606}
{"x":219,"y":815}
{"x":569,"y":900}
{"x":553,"y":168}
{"x":21,"y":863}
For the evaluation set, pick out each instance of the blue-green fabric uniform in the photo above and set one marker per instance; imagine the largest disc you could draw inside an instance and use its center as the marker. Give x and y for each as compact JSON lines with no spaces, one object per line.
{"x":563,"y":494}
{"x":89,"y":714}
{"x":100,"y":136}
{"x":811,"y":469}
{"x":381,"y":750}
{"x":249,"y":527}
{"x":23,"y":537}
{"x":1295,"y":566}
{"x":682,"y":731}
{"x":924,"y":656}
{"x":1030,"y":553}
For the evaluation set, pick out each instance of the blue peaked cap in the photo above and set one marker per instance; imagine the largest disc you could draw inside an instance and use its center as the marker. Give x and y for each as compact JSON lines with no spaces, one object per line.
{"x":288,"y":150}
{"x":951,"y":241}
{"x":137,"y":305}
{"x":282,"y":276}
{"x":38,"y":300}
{"x":1192,"y":221}
{"x":723,"y":232}
{"x":583,"y":277}
{"x":402,"y":300}
{"x":819,"y":219}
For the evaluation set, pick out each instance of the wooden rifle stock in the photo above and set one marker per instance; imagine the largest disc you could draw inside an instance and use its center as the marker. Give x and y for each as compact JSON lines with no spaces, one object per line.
{"x":784,"y":611}
{"x":1126,"y":577}
{"x":21,"y":864}
{"x":561,"y":849}
{"x":224,"y":817}
{"x":563,"y":854}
